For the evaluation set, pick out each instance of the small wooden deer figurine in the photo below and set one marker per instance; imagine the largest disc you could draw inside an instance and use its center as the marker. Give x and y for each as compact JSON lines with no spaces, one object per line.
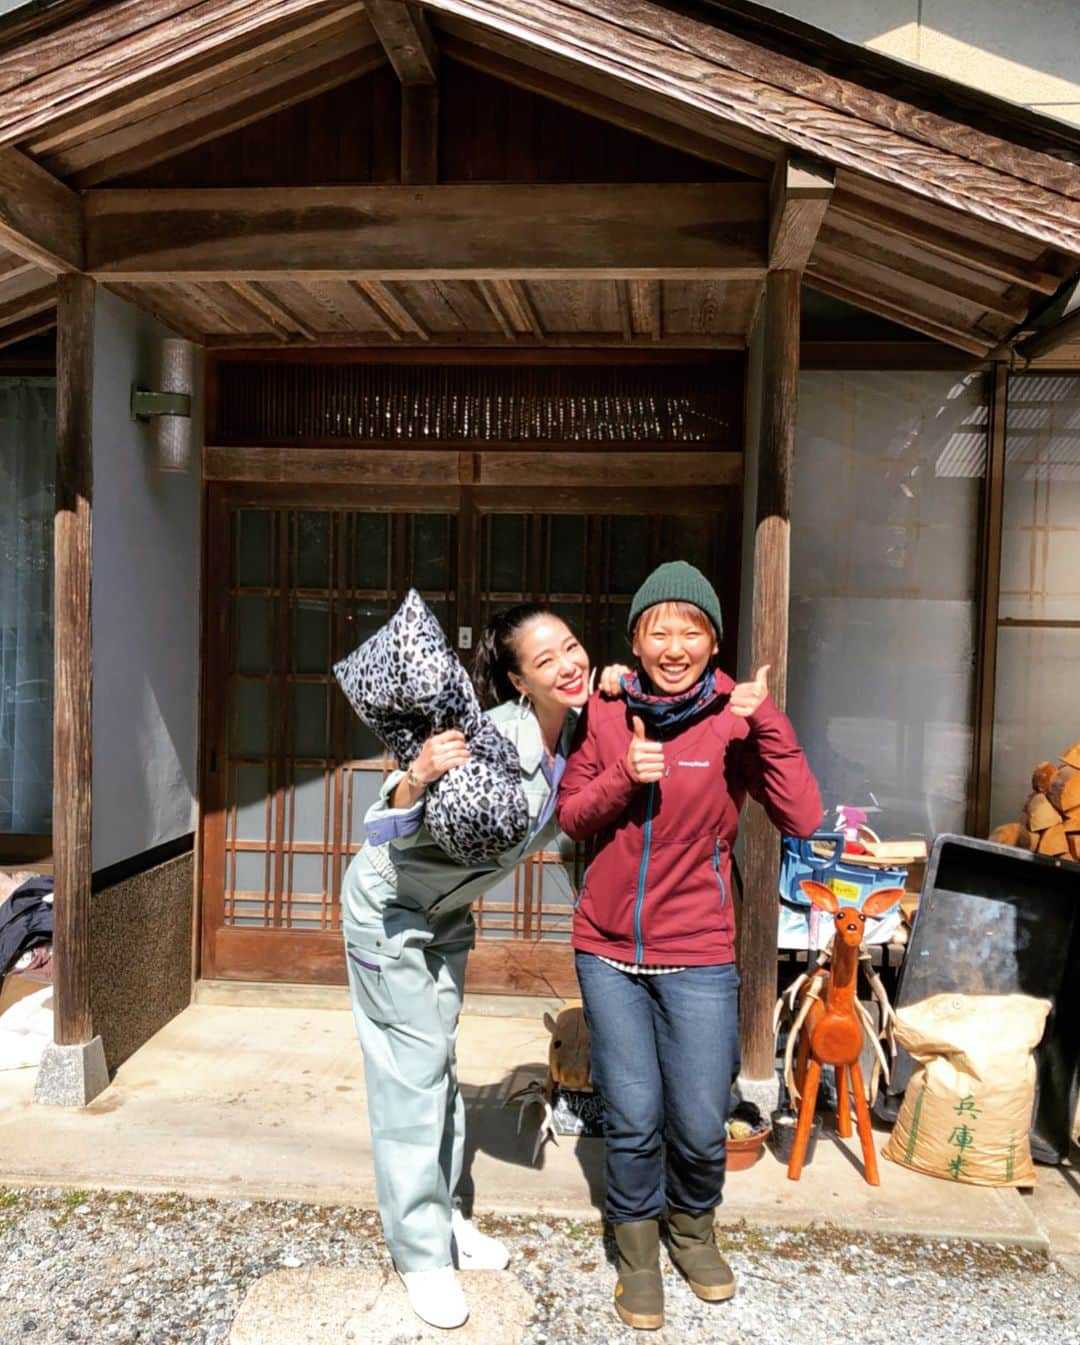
{"x":829,"y":1027}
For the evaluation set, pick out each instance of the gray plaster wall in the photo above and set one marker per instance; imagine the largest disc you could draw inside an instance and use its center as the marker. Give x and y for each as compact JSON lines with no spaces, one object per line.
{"x":141,"y":956}
{"x":144,"y":605}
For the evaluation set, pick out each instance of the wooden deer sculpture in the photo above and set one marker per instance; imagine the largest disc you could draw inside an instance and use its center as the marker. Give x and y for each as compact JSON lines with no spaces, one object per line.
{"x":829,"y":1027}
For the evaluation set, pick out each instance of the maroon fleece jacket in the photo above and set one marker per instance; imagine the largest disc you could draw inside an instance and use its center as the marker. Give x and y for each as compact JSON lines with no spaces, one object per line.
{"x":658,"y":889}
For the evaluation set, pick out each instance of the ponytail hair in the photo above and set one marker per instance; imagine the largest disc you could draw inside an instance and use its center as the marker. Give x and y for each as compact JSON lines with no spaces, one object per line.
{"x":496,"y":652}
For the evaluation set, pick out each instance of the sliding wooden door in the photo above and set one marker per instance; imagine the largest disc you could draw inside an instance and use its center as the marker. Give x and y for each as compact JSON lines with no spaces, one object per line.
{"x":296,"y":579}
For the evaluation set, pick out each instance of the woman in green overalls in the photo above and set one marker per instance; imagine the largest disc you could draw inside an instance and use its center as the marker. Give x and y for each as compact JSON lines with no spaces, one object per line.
{"x":408,"y":931}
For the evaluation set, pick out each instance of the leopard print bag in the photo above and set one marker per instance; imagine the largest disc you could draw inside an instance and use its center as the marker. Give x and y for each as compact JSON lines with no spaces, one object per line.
{"x":406,"y":683}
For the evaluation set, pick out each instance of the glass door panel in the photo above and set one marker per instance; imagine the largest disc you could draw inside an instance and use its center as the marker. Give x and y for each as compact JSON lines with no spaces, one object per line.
{"x":304,"y":587}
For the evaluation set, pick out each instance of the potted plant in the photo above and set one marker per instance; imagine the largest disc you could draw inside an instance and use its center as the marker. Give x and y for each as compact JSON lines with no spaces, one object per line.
{"x":747,"y":1131}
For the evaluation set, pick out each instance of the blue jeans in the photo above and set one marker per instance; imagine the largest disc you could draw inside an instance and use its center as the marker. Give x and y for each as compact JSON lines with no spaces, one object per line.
{"x":665,"y":1052}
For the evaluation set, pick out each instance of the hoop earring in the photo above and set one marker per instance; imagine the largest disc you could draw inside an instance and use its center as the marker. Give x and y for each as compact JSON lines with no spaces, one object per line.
{"x":524,"y":706}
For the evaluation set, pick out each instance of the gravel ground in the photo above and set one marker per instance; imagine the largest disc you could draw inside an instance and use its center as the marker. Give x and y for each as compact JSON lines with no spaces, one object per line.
{"x":169,"y":1270}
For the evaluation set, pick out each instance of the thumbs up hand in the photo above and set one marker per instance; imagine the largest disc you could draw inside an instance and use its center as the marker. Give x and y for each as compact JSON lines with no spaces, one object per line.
{"x":644,"y":760}
{"x":746,"y":697}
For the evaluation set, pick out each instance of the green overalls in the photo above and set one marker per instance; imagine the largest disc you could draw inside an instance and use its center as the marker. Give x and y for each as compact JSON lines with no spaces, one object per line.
{"x":408,"y":931}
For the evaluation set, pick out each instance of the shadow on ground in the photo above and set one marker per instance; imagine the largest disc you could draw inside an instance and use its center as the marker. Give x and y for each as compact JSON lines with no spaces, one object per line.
{"x":492,"y":1129}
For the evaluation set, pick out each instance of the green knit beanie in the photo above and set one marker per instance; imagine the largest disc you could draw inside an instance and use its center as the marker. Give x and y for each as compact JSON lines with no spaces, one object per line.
{"x":677,"y":581}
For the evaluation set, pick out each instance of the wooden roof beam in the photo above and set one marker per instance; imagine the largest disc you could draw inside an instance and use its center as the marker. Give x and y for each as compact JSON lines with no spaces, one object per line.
{"x":522,"y":310}
{"x":411,"y":48}
{"x":956,"y":247}
{"x":13,"y":266}
{"x":40,"y":218}
{"x":419,"y":134}
{"x":407,"y":39}
{"x":860,"y":240}
{"x":216,"y":112}
{"x":396,"y":315}
{"x":488,"y":231}
{"x":1058,"y":333}
{"x":127,"y":47}
{"x":209,"y":73}
{"x":800,"y":194}
{"x":948,"y":306}
{"x":649,"y":47}
{"x":452,"y":344}
{"x":33,"y":326}
{"x":272,"y":308}
{"x":626,"y":316}
{"x":900,"y":313}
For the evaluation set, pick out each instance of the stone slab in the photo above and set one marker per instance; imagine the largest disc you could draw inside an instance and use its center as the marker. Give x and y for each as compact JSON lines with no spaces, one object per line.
{"x":71,"y":1076}
{"x":253,"y":1103}
{"x":337,"y":1306}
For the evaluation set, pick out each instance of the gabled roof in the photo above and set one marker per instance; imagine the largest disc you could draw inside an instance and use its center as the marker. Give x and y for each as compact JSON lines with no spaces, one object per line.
{"x":953,"y":213}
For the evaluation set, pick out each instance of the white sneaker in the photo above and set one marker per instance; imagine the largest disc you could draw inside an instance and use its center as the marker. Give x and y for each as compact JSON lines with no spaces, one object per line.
{"x":435,"y":1296}
{"x":473,"y":1250}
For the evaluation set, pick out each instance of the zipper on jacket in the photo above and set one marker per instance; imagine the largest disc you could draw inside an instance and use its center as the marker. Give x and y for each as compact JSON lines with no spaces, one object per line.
{"x":639,"y":942}
{"x":719,"y":875}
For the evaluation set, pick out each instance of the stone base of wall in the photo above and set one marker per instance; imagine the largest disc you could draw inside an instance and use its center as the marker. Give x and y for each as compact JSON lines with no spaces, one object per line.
{"x":141,"y":955}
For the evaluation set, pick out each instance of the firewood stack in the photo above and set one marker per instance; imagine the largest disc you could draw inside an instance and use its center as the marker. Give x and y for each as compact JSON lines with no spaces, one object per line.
{"x":1051,"y":816}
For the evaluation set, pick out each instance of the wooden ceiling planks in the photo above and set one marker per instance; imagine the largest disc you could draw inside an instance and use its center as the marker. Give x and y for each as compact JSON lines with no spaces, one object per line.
{"x":860,"y":239}
{"x":471,"y":70}
{"x":172,"y":306}
{"x":27,"y":298}
{"x":444,"y":307}
{"x":453,"y":313}
{"x":1003,"y":253}
{"x":708,"y":307}
{"x":28,"y":304}
{"x":14,"y":332}
{"x":593,"y":92}
{"x":898,"y":308}
{"x":564,"y":306}
{"x":20,"y":282}
{"x":945,"y":306}
{"x":229,"y":105}
{"x":11,"y":265}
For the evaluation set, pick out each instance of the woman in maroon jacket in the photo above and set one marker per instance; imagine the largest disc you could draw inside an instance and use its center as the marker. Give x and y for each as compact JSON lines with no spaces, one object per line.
{"x":658,"y":778}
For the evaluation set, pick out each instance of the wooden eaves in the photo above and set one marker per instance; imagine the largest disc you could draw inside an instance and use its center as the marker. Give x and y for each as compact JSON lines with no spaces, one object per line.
{"x":939,"y":225}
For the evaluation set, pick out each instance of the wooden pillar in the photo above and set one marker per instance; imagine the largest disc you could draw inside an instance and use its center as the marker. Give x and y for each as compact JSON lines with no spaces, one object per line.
{"x":419,"y":134}
{"x":989,"y":591}
{"x":412,"y":50}
{"x":72,"y":705}
{"x":772,"y":549}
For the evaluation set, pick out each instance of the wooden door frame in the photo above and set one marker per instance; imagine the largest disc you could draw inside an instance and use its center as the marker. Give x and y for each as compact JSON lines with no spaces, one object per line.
{"x":250,"y":953}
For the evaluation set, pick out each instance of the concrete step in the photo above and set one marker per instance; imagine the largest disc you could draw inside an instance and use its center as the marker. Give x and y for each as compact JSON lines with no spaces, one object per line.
{"x":369,"y":1307}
